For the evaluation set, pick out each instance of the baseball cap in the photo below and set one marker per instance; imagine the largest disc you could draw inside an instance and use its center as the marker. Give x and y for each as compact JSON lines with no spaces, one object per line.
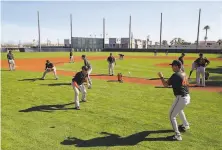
{"x":176,"y":63}
{"x":83,"y":56}
{"x":183,"y":54}
{"x":84,"y":68}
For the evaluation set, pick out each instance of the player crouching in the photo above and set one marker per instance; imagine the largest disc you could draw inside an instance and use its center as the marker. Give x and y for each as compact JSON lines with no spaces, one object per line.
{"x":49,"y":67}
{"x":78,"y":86}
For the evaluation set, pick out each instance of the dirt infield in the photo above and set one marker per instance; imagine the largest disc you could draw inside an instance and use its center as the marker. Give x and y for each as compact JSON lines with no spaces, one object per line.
{"x":37,"y":65}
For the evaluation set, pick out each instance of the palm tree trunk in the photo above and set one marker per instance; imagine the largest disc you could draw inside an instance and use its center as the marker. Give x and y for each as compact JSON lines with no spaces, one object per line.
{"x":206,"y":37}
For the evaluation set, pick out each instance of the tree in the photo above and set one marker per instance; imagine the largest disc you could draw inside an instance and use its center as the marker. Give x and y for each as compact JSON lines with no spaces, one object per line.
{"x":206,"y":28}
{"x":164,"y":42}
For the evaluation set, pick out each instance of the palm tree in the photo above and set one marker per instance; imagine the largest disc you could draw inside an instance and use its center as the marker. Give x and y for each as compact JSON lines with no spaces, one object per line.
{"x":219,"y":42}
{"x":206,"y":28}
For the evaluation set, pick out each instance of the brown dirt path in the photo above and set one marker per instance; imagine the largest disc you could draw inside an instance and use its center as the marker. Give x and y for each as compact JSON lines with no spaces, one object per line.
{"x":37,"y":65}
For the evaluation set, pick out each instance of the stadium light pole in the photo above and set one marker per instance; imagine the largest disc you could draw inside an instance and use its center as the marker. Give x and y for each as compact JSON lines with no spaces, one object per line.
{"x":161,"y":29}
{"x":129,"y":31}
{"x":39,"y":32}
{"x":70,"y":32}
{"x":198,"y":30}
{"x":104,"y":30}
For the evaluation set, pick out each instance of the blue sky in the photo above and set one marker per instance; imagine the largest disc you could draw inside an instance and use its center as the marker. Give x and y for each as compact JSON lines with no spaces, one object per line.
{"x":19,"y":19}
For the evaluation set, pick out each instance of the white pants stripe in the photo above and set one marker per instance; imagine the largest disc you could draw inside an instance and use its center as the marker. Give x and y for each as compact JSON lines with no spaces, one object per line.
{"x":200,"y":71}
{"x":111,"y":68}
{"x":76,"y":94}
{"x":177,"y":108}
{"x":11,"y":64}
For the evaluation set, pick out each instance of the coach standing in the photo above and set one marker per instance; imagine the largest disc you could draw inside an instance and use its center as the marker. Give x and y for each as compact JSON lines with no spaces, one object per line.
{"x":202,"y":63}
{"x":11,"y":61}
{"x":179,"y":82}
{"x":111,"y":60}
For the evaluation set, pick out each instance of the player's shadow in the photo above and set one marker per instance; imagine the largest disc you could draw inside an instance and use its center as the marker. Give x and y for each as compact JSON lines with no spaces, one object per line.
{"x":57,"y":84}
{"x":116,"y":140}
{"x":217,"y":70}
{"x":99,"y":75}
{"x":156,"y":78}
{"x":213,"y":81}
{"x":31,"y":79}
{"x":112,"y":81}
{"x":48,"y":108}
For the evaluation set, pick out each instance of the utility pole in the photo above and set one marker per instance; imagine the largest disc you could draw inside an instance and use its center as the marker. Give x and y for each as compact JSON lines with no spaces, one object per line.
{"x":130,"y":32}
{"x":71,"y":32}
{"x":39,"y":32}
{"x":160,"y":30}
{"x":198,"y":30}
{"x":104,"y":30}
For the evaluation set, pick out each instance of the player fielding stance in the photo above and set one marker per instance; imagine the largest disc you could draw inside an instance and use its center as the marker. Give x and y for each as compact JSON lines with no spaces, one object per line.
{"x":179,"y":83}
{"x":49,"y":67}
{"x":11,"y":61}
{"x":77,"y":84}
{"x":88,"y":65}
{"x":111,"y":60}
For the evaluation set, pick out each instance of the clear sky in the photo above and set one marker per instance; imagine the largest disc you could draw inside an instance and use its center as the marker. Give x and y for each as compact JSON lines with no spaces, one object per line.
{"x":19,"y":19}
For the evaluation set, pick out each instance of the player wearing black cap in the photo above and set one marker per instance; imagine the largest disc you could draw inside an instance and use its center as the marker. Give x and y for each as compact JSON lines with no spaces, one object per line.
{"x":202,"y":63}
{"x":179,"y":82}
{"x":77,"y":83}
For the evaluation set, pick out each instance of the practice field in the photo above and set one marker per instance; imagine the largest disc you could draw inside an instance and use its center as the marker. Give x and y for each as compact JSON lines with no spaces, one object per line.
{"x":39,"y":115}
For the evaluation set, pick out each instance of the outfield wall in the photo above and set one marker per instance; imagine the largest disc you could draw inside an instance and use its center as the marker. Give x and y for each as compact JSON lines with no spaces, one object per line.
{"x":162,"y":50}
{"x":213,"y":51}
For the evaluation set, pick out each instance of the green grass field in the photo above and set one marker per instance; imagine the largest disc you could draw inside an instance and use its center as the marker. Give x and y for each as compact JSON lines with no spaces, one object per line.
{"x":39,"y":115}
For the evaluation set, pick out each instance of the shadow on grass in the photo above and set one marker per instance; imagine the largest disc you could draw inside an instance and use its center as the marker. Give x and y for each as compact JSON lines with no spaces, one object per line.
{"x":99,"y":75}
{"x":5,"y":70}
{"x":213,"y":81}
{"x":112,"y":81}
{"x":162,"y":87}
{"x":217,"y":70}
{"x":116,"y":140}
{"x":48,"y":108}
{"x":156,"y":78}
{"x":57,"y":84}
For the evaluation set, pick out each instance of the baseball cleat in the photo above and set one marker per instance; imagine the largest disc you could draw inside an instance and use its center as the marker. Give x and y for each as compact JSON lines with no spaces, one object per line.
{"x":83,"y":100}
{"x":183,"y":128}
{"x":77,"y":108}
{"x":175,"y":138}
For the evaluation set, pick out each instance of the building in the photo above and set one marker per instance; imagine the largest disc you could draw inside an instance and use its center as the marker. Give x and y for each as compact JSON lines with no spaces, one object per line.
{"x":144,"y":44}
{"x":87,"y":43}
{"x":114,"y":43}
{"x":66,"y":43}
{"x":125,"y":43}
{"x":138,"y":43}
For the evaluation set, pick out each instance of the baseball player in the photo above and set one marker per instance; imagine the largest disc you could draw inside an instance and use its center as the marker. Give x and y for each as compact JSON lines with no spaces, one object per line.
{"x":166,"y":52}
{"x":11,"y":61}
{"x":77,"y":84}
{"x":88,"y":65}
{"x":71,"y":59}
{"x":181,"y":59}
{"x":194,"y":67}
{"x":111,"y":60}
{"x":202,"y":63}
{"x":179,"y":84}
{"x":49,"y":67}
{"x":155,"y":52}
